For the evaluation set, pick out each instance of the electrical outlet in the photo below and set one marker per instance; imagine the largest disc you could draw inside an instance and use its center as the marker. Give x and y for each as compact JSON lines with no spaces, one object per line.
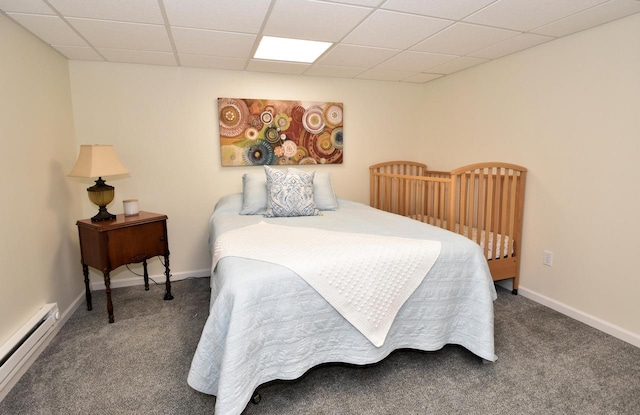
{"x":547,"y":258}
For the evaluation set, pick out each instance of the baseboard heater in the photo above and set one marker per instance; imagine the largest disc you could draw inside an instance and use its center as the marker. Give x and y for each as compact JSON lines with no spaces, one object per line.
{"x":17,"y":354}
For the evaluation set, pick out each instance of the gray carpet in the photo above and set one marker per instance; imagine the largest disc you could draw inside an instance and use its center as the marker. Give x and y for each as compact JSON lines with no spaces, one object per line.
{"x":548,"y":364}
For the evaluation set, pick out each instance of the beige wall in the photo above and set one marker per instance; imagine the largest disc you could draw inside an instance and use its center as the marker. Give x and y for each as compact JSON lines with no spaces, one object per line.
{"x":38,"y":253}
{"x":569,"y":111}
{"x":163,"y":123}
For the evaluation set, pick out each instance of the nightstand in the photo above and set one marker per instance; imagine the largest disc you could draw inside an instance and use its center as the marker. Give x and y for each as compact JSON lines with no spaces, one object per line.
{"x":125,"y":240}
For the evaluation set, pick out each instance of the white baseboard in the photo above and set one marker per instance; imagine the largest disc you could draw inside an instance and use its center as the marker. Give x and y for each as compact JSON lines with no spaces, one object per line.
{"x":15,"y":377}
{"x":80,"y":301}
{"x":159,"y":278}
{"x":595,"y":322}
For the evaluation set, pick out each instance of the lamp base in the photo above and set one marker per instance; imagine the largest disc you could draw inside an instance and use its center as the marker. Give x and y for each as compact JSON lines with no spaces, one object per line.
{"x":103,"y":215}
{"x":101,"y":194}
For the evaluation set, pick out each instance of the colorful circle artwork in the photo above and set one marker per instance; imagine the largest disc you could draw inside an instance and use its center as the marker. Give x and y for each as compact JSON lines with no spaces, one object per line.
{"x":333,"y":115}
{"x":308,"y":160}
{"x":290,"y":148}
{"x":266,"y":117}
{"x":336,"y":138}
{"x":258,"y":154}
{"x":313,"y":120}
{"x":256,"y":132}
{"x":251,"y":133}
{"x":233,"y":117}
{"x":282,"y":121}
{"x":272,"y":135}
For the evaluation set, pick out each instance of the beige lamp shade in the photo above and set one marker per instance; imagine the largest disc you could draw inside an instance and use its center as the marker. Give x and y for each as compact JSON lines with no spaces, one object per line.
{"x":97,"y":160}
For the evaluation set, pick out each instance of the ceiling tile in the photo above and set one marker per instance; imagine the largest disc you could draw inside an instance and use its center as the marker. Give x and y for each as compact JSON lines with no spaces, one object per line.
{"x":446,"y":9}
{"x":25,"y":6}
{"x":414,"y":61}
{"x":511,"y":45}
{"x":595,"y":16}
{"x":79,"y":53}
{"x":213,"y":62}
{"x":456,"y":65}
{"x":394,"y":30}
{"x":291,"y":68}
{"x":384,"y":75}
{"x":394,"y":40}
{"x":422,"y":77}
{"x":123,"y":35}
{"x":138,"y":56}
{"x":334,"y":71}
{"x":369,"y":3}
{"x":463,"y":38}
{"x":211,"y":42}
{"x":138,"y":11}
{"x":356,"y":56}
{"x":525,"y":15}
{"x":243,"y":16}
{"x":52,"y":29}
{"x":313,"y":20}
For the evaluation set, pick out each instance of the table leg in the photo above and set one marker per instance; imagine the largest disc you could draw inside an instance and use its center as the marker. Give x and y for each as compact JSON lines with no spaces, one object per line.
{"x":107,"y":285}
{"x":146,"y":275}
{"x":87,"y":290}
{"x":167,"y":273}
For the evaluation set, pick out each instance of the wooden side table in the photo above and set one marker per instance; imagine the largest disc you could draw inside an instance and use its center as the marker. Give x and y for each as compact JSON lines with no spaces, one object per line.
{"x":125,"y":240}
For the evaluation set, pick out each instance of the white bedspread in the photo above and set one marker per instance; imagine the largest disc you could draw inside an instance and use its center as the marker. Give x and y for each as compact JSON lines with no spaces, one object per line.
{"x":267,"y":323}
{"x":366,"y":278}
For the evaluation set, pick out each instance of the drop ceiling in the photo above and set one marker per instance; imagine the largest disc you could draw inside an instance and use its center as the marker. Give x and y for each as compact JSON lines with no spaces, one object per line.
{"x":390,"y":40}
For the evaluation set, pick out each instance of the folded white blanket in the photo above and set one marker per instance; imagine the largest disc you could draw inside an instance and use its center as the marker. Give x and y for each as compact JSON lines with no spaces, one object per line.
{"x":366,"y":278}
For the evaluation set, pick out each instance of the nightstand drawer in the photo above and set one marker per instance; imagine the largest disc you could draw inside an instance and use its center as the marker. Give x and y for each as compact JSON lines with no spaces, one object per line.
{"x":137,"y":243}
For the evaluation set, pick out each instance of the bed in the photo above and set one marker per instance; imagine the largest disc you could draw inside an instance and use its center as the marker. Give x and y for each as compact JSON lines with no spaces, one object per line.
{"x":483,"y":202}
{"x":267,"y":323}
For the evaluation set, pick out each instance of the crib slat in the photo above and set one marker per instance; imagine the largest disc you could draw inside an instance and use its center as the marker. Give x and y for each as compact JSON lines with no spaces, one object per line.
{"x":488,"y":214}
{"x":512,"y":214}
{"x":497,"y":228}
{"x":423,"y":202}
{"x":464,"y":190}
{"x":505,"y":206}
{"x":477,"y":204}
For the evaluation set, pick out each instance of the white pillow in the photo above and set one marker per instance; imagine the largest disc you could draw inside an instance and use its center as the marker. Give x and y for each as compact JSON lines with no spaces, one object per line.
{"x":289,"y":194}
{"x":254,"y":193}
{"x":323,"y":193}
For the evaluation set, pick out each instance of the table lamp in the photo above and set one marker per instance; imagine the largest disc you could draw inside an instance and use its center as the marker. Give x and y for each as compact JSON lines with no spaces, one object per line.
{"x":99,"y":161}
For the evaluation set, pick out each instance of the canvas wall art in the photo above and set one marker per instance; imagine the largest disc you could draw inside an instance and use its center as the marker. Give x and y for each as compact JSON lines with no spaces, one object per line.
{"x":257,"y":132}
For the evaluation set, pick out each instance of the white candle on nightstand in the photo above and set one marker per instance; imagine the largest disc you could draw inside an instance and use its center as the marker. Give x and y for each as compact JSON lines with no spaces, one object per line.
{"x":130,"y":207}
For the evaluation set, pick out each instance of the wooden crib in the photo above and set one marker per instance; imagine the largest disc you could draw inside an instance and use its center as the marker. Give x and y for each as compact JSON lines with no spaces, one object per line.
{"x":483,"y":202}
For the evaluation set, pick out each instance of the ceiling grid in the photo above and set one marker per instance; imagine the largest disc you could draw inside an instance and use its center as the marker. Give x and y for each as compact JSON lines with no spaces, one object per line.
{"x":392,"y":40}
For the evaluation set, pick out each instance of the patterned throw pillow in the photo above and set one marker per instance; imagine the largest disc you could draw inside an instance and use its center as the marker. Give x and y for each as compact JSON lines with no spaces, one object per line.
{"x":289,"y":194}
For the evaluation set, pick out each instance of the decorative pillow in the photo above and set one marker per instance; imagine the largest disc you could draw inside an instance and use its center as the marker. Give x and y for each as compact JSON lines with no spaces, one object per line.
{"x":289,"y":194}
{"x":254,"y":194}
{"x":323,"y":193}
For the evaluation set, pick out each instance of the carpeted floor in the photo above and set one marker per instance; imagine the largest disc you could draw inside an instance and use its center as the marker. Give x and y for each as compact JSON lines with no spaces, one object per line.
{"x":547,"y":364}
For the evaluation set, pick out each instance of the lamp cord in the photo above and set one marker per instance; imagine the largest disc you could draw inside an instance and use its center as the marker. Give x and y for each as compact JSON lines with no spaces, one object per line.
{"x":142,"y":275}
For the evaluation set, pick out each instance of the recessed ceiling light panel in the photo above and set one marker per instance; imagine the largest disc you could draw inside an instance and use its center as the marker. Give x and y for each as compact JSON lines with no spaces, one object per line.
{"x":291,"y":50}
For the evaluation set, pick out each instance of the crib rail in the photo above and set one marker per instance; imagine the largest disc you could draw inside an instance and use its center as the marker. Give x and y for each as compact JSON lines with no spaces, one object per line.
{"x":483,"y":202}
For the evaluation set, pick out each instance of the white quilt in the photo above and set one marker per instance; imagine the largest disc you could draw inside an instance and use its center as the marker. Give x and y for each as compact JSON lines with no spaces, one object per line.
{"x":367,"y":278}
{"x":267,"y":323}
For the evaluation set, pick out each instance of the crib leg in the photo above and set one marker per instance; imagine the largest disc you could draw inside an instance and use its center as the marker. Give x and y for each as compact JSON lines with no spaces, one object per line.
{"x":514,"y":291}
{"x":255,"y":398}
